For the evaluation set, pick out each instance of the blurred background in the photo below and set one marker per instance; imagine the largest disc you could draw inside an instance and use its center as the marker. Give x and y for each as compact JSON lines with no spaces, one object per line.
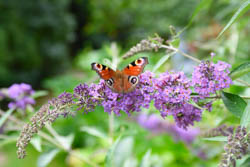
{"x":50,"y":45}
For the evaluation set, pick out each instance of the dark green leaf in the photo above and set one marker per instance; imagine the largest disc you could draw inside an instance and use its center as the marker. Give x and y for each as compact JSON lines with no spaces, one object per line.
{"x":243,"y":8}
{"x":234,"y":103}
{"x":240,"y":70}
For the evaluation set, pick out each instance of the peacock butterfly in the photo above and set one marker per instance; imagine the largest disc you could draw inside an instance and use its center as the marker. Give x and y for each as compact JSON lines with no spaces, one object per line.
{"x":123,"y":81}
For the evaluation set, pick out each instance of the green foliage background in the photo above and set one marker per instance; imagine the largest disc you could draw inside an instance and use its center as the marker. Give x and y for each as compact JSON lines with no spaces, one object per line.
{"x":51,"y":44}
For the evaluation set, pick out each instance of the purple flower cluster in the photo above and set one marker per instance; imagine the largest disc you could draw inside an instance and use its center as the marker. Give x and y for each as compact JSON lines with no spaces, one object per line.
{"x":21,"y":94}
{"x":208,"y":77}
{"x":171,"y":93}
{"x":156,"y":125}
{"x":172,"y":90}
{"x":133,"y":101}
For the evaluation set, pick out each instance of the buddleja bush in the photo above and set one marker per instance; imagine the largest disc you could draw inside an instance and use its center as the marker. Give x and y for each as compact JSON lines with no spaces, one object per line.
{"x":172,"y":93}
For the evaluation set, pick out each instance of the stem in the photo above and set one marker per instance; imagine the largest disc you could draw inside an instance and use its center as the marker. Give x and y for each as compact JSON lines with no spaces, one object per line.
{"x":111,"y":127}
{"x":182,"y":53}
{"x":218,"y":97}
{"x":243,"y":82}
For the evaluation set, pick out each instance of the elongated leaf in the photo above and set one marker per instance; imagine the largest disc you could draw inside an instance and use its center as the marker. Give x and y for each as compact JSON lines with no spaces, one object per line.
{"x":109,"y":161}
{"x":37,"y":143}
{"x":123,"y":151}
{"x":240,"y":70}
{"x":243,"y":9}
{"x":194,"y":104}
{"x":94,"y":132}
{"x":66,"y":141}
{"x":39,"y":93}
{"x":5,"y":116}
{"x":202,"y":5}
{"x":175,"y":42}
{"x":46,"y":158}
{"x":146,"y":159}
{"x":241,"y":162}
{"x":8,"y":140}
{"x":234,"y":103}
{"x":162,"y":61}
{"x":245,"y":119}
{"x":216,"y":138}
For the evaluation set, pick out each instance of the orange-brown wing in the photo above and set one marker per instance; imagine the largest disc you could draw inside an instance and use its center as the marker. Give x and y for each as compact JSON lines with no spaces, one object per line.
{"x":136,"y":67}
{"x":103,"y":71}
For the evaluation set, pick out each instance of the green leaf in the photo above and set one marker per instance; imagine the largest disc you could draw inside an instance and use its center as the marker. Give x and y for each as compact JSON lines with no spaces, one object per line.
{"x":243,"y":9}
{"x":194,"y":104}
{"x":175,"y":42}
{"x":5,"y":116}
{"x":162,"y":61}
{"x":8,"y":140}
{"x":240,"y":70}
{"x":39,"y":93}
{"x":241,"y":162}
{"x":216,"y":138}
{"x":202,"y":5}
{"x":123,"y":151}
{"x":46,"y":158}
{"x":245,"y":119}
{"x":66,"y":141}
{"x":109,"y":161}
{"x":146,"y":159}
{"x":37,"y":144}
{"x":94,"y":132}
{"x":234,"y":103}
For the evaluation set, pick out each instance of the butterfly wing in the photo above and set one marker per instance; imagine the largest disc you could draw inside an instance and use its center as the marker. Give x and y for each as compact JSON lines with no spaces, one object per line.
{"x":136,"y":67}
{"x":103,"y":71}
{"x":131,"y":72}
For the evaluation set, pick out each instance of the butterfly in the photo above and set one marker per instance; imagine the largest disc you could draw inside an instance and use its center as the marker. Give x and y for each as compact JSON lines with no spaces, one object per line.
{"x":123,"y":81}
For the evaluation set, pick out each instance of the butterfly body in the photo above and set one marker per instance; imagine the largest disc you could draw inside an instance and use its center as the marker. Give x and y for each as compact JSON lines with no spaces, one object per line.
{"x":123,"y":81}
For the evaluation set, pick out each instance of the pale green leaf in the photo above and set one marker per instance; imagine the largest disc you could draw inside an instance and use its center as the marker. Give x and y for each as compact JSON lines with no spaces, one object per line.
{"x":162,"y":61}
{"x":123,"y":151}
{"x":66,"y":141}
{"x":109,"y":161}
{"x":94,"y":132}
{"x":245,"y":119}
{"x":47,"y":157}
{"x":37,"y":143}
{"x":146,"y":159}
{"x":240,"y":70}
{"x":216,"y":138}
{"x":243,"y":9}
{"x":5,"y":116}
{"x":39,"y":93}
